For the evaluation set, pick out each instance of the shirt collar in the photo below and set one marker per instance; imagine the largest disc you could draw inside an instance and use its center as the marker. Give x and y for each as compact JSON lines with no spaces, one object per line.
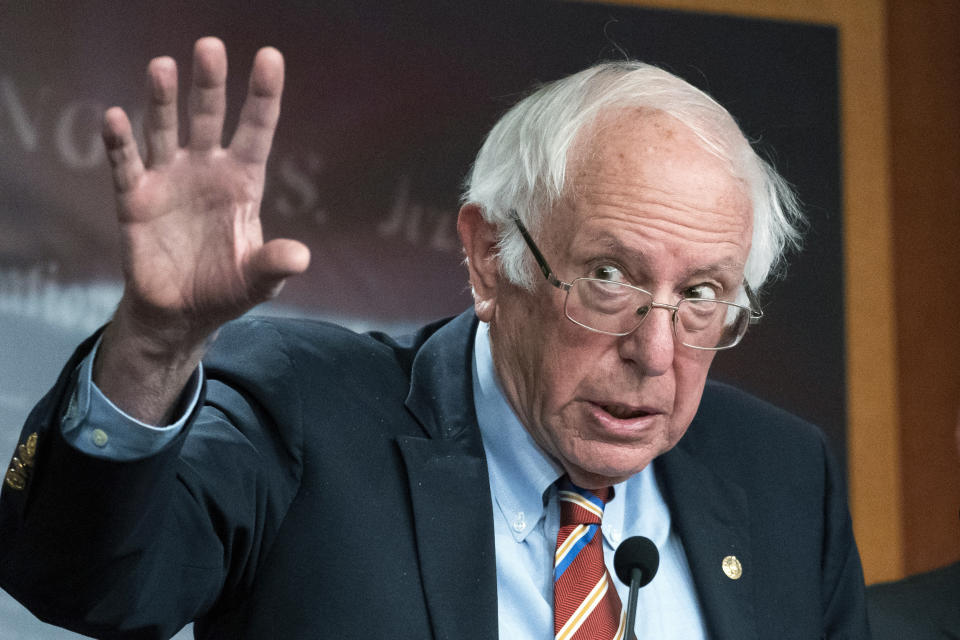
{"x":520,"y":473}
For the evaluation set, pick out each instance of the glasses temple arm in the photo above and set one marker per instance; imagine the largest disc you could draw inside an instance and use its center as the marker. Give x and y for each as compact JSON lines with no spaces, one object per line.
{"x":756,"y":313}
{"x":541,"y":261}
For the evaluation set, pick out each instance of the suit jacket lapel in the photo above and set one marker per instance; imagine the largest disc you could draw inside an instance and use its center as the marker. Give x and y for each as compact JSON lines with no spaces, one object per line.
{"x":450,"y":488}
{"x":711,"y":516}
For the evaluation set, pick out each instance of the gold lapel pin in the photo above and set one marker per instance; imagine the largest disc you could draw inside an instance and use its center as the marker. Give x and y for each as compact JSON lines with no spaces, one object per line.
{"x":22,"y":463}
{"x":732,"y":567}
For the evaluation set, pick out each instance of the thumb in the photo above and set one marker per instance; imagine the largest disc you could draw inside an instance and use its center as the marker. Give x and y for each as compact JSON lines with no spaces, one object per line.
{"x":274,"y":262}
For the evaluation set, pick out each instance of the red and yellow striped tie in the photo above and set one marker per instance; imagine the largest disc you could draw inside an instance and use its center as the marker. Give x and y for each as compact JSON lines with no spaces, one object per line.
{"x":585,"y":601}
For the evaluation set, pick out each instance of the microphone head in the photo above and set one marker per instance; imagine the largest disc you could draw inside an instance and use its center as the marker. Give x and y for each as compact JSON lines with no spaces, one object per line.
{"x":637,"y":552}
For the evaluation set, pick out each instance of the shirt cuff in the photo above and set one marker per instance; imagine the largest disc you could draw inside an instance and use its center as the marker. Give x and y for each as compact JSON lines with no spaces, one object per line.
{"x":97,"y":427}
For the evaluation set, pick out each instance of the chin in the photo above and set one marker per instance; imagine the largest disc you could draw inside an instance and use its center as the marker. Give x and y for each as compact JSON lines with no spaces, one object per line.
{"x":598,"y":477}
{"x":613,"y":466}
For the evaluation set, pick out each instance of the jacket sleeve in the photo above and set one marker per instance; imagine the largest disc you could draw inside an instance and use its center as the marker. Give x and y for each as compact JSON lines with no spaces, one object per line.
{"x":138,"y":548}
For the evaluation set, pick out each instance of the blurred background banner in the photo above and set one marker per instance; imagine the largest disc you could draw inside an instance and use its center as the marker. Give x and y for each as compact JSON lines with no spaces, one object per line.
{"x":386,"y":104}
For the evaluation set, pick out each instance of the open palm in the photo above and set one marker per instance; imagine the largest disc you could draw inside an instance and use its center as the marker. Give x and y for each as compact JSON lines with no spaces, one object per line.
{"x":191,"y":241}
{"x":193,"y":251}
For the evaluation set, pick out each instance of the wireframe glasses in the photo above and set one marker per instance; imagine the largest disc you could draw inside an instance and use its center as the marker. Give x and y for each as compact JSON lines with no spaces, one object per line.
{"x":618,"y":308}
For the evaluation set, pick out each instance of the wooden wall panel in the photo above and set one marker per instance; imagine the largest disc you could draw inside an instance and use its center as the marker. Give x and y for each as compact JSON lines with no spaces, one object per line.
{"x":924,"y":63}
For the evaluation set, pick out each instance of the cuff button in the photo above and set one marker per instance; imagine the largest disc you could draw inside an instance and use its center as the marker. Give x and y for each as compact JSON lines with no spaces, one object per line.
{"x":99,"y":438}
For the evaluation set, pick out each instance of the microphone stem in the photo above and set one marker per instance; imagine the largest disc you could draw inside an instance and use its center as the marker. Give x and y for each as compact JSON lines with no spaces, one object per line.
{"x":636,"y":577}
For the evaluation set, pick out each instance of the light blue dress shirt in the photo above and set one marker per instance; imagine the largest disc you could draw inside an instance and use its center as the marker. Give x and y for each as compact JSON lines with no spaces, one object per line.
{"x":526,"y":514}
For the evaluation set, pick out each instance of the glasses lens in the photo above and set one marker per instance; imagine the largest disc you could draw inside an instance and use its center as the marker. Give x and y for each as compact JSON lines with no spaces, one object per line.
{"x":711,"y":324}
{"x":610,"y":307}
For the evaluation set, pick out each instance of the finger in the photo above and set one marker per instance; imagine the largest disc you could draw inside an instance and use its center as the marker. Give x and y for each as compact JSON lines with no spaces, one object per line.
{"x":273,"y":263}
{"x":207,"y":94}
{"x":125,"y":163}
{"x":261,"y":109}
{"x":160,"y":129}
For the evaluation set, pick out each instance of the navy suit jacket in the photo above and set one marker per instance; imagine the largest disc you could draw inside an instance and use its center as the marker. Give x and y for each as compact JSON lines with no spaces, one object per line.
{"x":334,"y":485}
{"x":920,"y":607}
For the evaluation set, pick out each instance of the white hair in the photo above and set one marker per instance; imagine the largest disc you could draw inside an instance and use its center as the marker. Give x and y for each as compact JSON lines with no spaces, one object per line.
{"x":523,"y":161}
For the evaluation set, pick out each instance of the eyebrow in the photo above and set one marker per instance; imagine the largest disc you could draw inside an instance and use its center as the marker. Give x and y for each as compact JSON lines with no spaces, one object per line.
{"x":612,"y":244}
{"x":717,"y":267}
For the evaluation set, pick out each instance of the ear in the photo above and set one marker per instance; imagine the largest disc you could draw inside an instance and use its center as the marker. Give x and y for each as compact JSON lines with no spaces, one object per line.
{"x":479,"y":239}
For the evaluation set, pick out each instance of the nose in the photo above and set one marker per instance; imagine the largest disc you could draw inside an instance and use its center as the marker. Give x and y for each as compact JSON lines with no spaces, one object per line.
{"x":651,"y":346}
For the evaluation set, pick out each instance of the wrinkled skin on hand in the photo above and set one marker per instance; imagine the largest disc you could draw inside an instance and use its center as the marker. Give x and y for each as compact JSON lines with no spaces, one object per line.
{"x":189,"y":217}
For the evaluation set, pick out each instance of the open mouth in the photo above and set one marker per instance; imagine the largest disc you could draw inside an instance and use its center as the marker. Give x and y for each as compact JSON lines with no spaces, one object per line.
{"x":621,"y":412}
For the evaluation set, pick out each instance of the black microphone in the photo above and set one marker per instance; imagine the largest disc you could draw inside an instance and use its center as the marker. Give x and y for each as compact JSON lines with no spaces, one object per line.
{"x":636,"y":562}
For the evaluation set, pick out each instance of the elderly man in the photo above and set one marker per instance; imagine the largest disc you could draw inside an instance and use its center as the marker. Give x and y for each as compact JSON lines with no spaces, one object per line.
{"x":306,"y":481}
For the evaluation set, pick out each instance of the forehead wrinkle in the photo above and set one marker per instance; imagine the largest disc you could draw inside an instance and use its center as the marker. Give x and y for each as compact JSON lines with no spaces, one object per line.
{"x":662,"y":223}
{"x":690,"y":230}
{"x":629,"y":191}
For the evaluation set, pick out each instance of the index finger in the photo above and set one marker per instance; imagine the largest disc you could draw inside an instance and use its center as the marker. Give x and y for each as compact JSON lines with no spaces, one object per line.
{"x":261,"y":109}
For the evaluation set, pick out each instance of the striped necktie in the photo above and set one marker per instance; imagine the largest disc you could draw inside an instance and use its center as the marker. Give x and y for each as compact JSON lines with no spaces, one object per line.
{"x":585,"y":601}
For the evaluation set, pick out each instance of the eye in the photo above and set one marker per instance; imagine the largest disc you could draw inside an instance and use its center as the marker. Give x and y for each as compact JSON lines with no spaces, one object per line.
{"x":701,"y":292}
{"x":607,"y":272}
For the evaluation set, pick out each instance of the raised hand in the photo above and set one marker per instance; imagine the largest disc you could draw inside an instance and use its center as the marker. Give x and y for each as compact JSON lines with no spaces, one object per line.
{"x":191,"y":240}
